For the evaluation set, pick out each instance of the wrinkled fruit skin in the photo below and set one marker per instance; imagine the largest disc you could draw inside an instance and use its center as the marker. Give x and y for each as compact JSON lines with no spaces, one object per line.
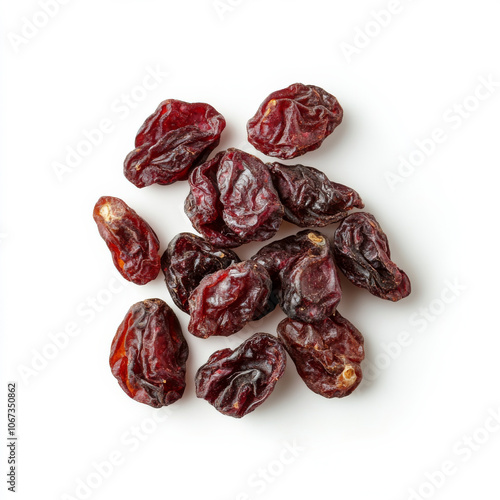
{"x":226,"y":300}
{"x":327,"y":354}
{"x":187,"y":260}
{"x":233,"y":201}
{"x":309,"y":198}
{"x":304,"y":275}
{"x":362,"y":253}
{"x":236,"y":382}
{"x":132,"y":242}
{"x":294,"y":120}
{"x":148,"y":354}
{"x":175,"y":138}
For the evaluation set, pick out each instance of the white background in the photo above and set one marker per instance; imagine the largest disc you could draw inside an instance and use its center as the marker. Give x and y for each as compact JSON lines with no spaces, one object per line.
{"x":428,"y":405}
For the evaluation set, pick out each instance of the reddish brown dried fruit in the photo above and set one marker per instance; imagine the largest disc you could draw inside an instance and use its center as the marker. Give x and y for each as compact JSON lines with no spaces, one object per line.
{"x":294,"y":120}
{"x":131,"y":240}
{"x":226,"y":300}
{"x":326,"y":354}
{"x":187,"y":260}
{"x":362,"y":253}
{"x":175,"y":138}
{"x":233,"y":201}
{"x":304,"y":275}
{"x":311,"y":199}
{"x":148,"y":354}
{"x":237,"y":382}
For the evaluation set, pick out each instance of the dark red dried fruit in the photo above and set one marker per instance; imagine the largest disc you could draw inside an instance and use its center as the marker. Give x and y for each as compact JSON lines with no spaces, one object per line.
{"x":311,"y":199}
{"x":226,"y":300}
{"x":236,"y":382}
{"x":233,"y":201}
{"x":294,"y":120}
{"x":148,"y":354}
{"x":362,"y":253}
{"x":133,"y":243}
{"x":304,"y":275}
{"x":187,"y":260}
{"x":175,"y":138}
{"x":326,"y":354}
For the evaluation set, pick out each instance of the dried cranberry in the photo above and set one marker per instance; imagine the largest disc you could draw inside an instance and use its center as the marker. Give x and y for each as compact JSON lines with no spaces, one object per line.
{"x":304,"y":275}
{"x":362,"y":253}
{"x":131,"y":240}
{"x":233,"y":201}
{"x":294,"y":120}
{"x":226,"y":300}
{"x":176,"y":137}
{"x":237,"y":382}
{"x":326,"y":354}
{"x":311,"y":199}
{"x":187,"y":260}
{"x":148,"y":354}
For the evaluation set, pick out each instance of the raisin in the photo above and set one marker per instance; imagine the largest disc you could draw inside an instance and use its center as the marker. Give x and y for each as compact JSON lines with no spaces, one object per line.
{"x":131,"y":240}
{"x":327,"y":354}
{"x":149,"y":353}
{"x":309,"y":198}
{"x":362,"y":253}
{"x":187,"y":260}
{"x":226,"y":300}
{"x":294,"y":120}
{"x":304,"y":275}
{"x":175,"y":138}
{"x":233,"y":201}
{"x":237,"y":382}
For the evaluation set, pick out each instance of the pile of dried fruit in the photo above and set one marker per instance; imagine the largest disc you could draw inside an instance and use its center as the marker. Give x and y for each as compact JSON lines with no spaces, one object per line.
{"x":235,"y":198}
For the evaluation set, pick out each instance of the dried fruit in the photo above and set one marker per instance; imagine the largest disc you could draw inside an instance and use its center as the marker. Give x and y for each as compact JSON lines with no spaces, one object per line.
{"x":131,"y":240}
{"x":362,"y":253}
{"x":304,"y":275}
{"x":226,"y":300}
{"x":187,"y":260}
{"x":236,"y":382}
{"x":149,"y":353}
{"x":175,"y":138}
{"x":311,"y":199}
{"x":326,"y":354}
{"x":233,"y":201}
{"x":294,"y":120}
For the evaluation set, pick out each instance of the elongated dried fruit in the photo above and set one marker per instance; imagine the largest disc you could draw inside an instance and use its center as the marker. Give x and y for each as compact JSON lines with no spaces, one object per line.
{"x":362,"y":253}
{"x":294,"y":120}
{"x":225,"y":301}
{"x":327,"y":354}
{"x":131,"y":240}
{"x":148,"y":354}
{"x":309,"y":198}
{"x":175,"y":138}
{"x":237,"y":382}
{"x":304,"y":275}
{"x":187,"y":260}
{"x":233,"y":201}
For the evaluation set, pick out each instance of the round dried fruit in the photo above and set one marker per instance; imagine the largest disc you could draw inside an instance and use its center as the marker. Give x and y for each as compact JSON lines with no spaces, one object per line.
{"x":237,"y":382}
{"x":294,"y":120}
{"x":148,"y":354}
{"x":175,"y":138}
